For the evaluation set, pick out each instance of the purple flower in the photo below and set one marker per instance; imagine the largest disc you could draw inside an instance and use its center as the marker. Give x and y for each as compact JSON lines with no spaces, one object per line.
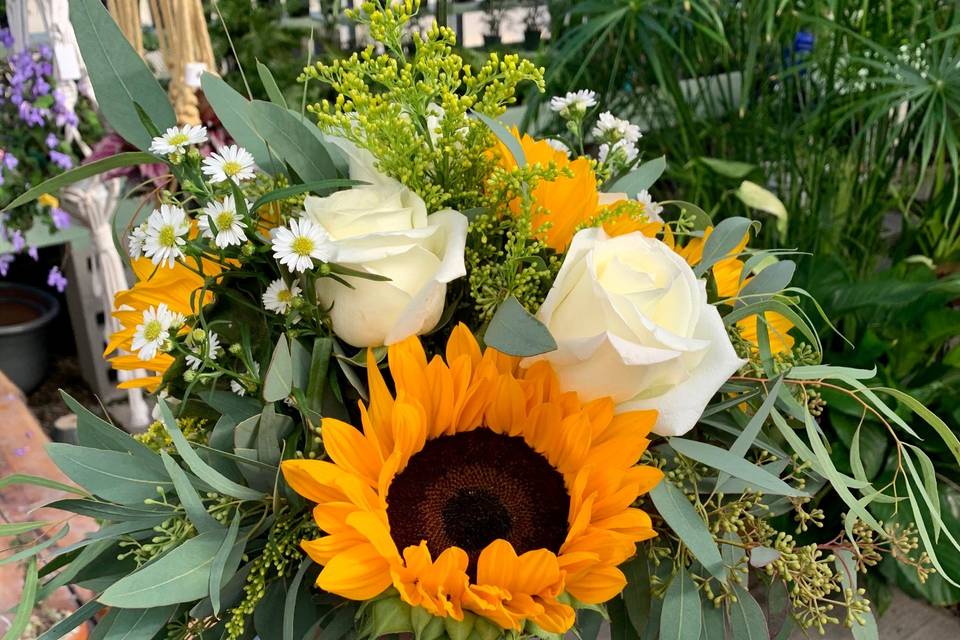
{"x":52,"y":140}
{"x":61,"y":219}
{"x":10,"y":161}
{"x":32,"y":252}
{"x":40,"y":88}
{"x":56,"y":279}
{"x":16,"y":239}
{"x":6,"y":38}
{"x":5,"y":260}
{"x":60,"y":159}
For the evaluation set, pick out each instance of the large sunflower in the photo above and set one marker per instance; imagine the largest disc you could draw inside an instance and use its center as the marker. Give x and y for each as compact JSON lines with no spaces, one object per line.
{"x":478,"y":486}
{"x":178,"y":288}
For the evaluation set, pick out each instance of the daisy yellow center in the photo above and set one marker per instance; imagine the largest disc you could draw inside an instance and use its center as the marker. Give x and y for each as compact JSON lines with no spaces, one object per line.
{"x":232,"y":167}
{"x":177,"y":139}
{"x":474,"y":487}
{"x":167,"y":236}
{"x":302,"y":246}
{"x":224,"y":220}
{"x":284,"y":295}
{"x":152,"y":330}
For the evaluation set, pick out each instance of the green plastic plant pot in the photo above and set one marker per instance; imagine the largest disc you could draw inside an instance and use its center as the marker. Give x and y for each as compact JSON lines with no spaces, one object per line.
{"x":25,"y":313}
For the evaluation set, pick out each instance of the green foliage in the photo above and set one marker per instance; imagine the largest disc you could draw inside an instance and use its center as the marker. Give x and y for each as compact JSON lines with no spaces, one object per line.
{"x":412,"y":113}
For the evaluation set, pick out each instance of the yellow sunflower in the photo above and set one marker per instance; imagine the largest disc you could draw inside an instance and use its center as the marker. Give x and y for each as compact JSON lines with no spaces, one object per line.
{"x":176,"y":287}
{"x":563,"y":204}
{"x":479,"y":486}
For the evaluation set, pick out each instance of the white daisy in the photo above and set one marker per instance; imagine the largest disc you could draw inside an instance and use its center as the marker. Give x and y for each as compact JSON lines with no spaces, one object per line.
{"x":209,"y":348}
{"x":223,"y":216}
{"x":135,"y":241}
{"x":651,"y":208}
{"x":150,"y":335}
{"x":279,"y":297}
{"x":237,"y":388}
{"x":610,"y":128}
{"x":575,"y":103}
{"x":299,"y":245}
{"x":233,"y":162}
{"x":176,"y":139}
{"x":165,"y":233}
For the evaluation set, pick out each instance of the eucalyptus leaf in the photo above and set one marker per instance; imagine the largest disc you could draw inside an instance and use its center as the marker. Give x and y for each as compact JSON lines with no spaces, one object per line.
{"x":636,"y":593}
{"x":279,"y":379}
{"x":734,"y":465}
{"x":119,"y":76}
{"x":289,"y":605}
{"x":15,"y":479}
{"x":514,"y":331}
{"x":28,"y":596}
{"x":640,"y":179}
{"x":72,"y":621}
{"x":219,"y":569}
{"x":762,"y":556}
{"x":270,"y":85}
{"x":189,"y":498}
{"x":181,"y":575}
{"x":681,"y":618}
{"x":112,"y":475}
{"x":36,"y":549}
{"x":746,"y":617}
{"x":508,"y":139}
{"x":203,"y":471}
{"x":291,"y":141}
{"x":773,"y":279}
{"x":714,"y":622}
{"x":233,"y":111}
{"x":109,"y":511}
{"x":724,"y":238}
{"x":680,"y":515}
{"x":138,"y":624}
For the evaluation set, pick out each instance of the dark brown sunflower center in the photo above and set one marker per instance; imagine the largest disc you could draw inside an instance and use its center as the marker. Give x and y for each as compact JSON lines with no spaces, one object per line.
{"x":469,"y":489}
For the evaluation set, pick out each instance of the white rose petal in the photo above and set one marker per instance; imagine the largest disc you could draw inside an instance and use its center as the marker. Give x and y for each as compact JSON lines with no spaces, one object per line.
{"x":382,"y":228}
{"x":632,"y":322}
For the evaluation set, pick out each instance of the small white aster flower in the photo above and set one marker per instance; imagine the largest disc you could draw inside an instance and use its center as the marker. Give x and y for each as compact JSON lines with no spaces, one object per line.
{"x":223,"y":216}
{"x":176,"y":139}
{"x":575,"y":103}
{"x":613,"y":129}
{"x":234,"y":163}
{"x":558,"y":145}
{"x":136,"y":239}
{"x":237,"y":388}
{"x":651,"y":208}
{"x":149,"y":336}
{"x":279,"y":297}
{"x":301,"y":243}
{"x":622,"y":152}
{"x":209,"y":348}
{"x":165,"y":233}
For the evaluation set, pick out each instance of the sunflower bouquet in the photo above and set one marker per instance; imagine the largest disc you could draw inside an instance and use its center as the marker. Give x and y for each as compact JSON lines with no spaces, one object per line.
{"x":419,"y":374}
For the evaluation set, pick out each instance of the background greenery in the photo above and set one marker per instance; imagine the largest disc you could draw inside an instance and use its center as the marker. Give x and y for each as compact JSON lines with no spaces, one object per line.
{"x":848,"y":112}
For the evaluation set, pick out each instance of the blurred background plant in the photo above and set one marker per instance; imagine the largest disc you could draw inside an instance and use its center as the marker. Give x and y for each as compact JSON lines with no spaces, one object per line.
{"x":836,"y":120}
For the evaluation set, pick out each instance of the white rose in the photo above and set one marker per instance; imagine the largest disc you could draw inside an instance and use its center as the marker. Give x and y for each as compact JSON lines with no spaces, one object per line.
{"x":632,"y":321}
{"x":382,"y":228}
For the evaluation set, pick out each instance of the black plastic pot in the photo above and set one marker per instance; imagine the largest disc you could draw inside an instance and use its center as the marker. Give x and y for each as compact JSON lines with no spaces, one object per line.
{"x":492,"y":40}
{"x":25,"y":313}
{"x":531,"y":39}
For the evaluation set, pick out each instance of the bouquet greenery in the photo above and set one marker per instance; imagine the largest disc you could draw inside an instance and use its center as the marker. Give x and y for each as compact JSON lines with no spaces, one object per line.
{"x":419,"y":374}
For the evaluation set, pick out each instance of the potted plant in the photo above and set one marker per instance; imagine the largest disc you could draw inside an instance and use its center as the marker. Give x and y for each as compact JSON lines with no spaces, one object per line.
{"x":493,"y":11}
{"x":533,"y":25}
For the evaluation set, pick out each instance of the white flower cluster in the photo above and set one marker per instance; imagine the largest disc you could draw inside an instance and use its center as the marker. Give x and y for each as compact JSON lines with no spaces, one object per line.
{"x":618,"y":140}
{"x":575,"y":104}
